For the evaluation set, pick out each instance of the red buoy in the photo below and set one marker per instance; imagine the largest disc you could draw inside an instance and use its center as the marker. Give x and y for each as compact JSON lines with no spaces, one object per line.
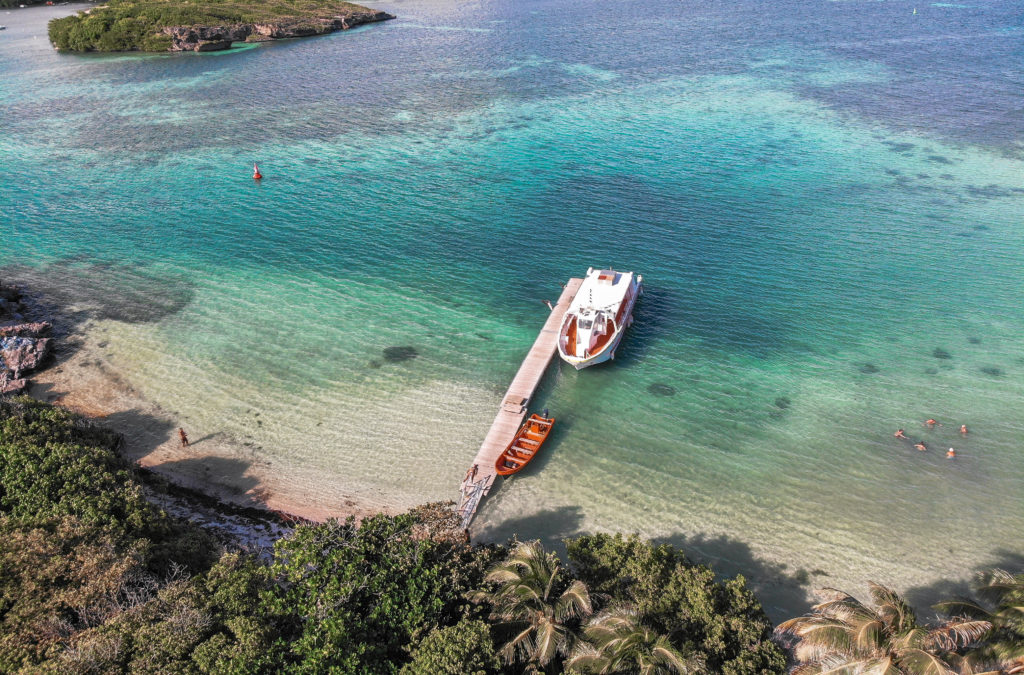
{"x":256,"y":172}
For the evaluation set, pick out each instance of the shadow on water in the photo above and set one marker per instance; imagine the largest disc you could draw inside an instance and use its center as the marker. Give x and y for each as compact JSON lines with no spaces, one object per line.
{"x":77,"y":289}
{"x":922,"y":598}
{"x":550,"y":526}
{"x":783,"y":593}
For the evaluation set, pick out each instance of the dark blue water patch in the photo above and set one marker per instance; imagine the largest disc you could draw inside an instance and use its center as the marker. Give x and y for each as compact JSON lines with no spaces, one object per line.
{"x":931,"y":371}
{"x":974,"y":340}
{"x":899,"y":147}
{"x":940,"y":353}
{"x":939,"y":159}
{"x":894,"y":172}
{"x":982,"y":228}
{"x":993,"y":191}
{"x":782,"y":402}
{"x":992,"y":371}
{"x":868,"y":368}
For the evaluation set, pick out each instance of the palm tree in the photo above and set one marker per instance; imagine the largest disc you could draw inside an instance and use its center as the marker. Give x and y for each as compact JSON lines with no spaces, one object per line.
{"x":1003,"y":646}
{"x":528,"y":605}
{"x":842,"y":635}
{"x":619,"y":643}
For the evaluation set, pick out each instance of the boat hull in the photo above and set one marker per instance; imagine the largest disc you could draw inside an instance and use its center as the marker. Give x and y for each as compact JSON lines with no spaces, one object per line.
{"x":607,"y":352}
{"x":525,"y":446}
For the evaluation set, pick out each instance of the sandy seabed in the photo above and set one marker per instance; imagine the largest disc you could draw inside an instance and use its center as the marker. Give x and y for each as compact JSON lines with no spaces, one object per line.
{"x":83,"y":381}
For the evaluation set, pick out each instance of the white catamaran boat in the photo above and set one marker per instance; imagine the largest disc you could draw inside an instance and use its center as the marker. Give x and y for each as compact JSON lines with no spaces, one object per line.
{"x":597,"y":316}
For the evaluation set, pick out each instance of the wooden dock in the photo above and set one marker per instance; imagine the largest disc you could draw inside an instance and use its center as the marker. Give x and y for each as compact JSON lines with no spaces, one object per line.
{"x":513,"y":407}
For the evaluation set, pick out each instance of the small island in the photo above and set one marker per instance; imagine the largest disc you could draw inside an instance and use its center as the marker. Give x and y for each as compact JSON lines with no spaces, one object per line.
{"x":208,"y":25}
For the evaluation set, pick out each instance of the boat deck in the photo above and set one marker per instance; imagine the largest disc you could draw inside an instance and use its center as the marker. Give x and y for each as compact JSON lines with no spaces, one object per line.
{"x":513,"y":406}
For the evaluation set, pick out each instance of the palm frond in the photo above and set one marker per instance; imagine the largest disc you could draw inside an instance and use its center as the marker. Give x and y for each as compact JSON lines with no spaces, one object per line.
{"x":896,"y":612}
{"x":574,"y":602}
{"x":961,"y":606}
{"x":956,"y":634}
{"x":922,"y":662}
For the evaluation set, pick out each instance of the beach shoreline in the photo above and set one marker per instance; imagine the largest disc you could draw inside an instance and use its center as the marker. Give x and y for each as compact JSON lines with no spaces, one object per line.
{"x":79,"y":378}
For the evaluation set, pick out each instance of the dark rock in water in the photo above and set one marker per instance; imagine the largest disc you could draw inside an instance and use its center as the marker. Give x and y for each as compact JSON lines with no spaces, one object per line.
{"x":868,"y":369}
{"x":21,"y":354}
{"x":941,"y":354}
{"x":974,"y":340}
{"x":31,"y":330}
{"x":398,"y":354}
{"x":661,"y":389}
{"x":931,"y":371}
{"x":994,"y":372}
{"x":782,"y":402}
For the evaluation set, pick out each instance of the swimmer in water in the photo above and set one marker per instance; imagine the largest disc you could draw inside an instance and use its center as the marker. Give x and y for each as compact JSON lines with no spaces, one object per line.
{"x":920,"y":446}
{"x":963,"y":429}
{"x":899,"y":434}
{"x":951,"y":453}
{"x":931,"y":423}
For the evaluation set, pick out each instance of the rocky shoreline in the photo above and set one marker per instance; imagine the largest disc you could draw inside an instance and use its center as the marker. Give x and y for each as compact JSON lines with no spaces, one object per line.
{"x":25,"y":345}
{"x":215,"y":38}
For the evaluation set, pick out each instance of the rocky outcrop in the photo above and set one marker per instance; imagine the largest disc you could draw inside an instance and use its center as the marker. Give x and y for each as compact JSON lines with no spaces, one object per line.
{"x":213,"y":38}
{"x":24,"y":346}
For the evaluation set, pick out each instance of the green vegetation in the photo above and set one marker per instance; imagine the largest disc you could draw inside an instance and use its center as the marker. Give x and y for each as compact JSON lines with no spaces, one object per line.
{"x":843,"y":635}
{"x":93,"y":578}
{"x":136,"y":25}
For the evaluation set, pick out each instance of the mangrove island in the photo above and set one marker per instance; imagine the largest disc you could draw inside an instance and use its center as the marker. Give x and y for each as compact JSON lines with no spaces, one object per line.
{"x":211,"y":25}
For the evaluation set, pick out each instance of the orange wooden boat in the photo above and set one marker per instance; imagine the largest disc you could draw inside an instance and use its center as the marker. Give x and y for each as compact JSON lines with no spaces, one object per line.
{"x":525,"y":445}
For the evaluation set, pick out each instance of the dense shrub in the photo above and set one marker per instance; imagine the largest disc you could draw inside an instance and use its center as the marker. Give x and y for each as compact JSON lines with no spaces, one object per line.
{"x":463,"y":649}
{"x":54,"y":464}
{"x":358,"y":597}
{"x":722,"y":623}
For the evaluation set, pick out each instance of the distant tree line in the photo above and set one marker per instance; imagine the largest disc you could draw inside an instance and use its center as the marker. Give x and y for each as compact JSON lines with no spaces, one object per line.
{"x":137,"y":25}
{"x":95,"y":579}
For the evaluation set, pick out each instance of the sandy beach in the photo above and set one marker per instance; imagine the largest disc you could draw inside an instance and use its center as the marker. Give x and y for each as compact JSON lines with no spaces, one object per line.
{"x":81,"y":379}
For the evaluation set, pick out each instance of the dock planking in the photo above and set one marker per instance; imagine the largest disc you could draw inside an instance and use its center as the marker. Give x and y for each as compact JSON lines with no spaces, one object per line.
{"x":514,"y":406}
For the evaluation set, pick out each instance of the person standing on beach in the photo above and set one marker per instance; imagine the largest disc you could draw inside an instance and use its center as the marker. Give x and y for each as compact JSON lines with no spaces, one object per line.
{"x":184,"y":438}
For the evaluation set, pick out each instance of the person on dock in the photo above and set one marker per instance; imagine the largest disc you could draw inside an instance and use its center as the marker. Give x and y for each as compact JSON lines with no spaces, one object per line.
{"x":963,"y":429}
{"x":183,"y":436}
{"x":476,"y":467}
{"x":899,"y":434}
{"x":920,"y":446}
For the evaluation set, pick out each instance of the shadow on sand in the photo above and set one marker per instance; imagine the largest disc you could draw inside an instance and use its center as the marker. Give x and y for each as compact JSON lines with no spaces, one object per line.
{"x":782,"y":592}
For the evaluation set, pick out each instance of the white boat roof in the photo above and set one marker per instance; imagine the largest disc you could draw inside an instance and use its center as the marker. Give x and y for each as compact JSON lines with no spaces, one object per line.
{"x":601,"y":289}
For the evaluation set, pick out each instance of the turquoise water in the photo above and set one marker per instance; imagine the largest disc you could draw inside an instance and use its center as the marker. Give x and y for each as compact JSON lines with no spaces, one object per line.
{"x":825,"y":200}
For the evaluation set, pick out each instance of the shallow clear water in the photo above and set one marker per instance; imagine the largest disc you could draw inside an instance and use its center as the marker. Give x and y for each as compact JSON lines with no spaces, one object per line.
{"x":825,"y":200}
